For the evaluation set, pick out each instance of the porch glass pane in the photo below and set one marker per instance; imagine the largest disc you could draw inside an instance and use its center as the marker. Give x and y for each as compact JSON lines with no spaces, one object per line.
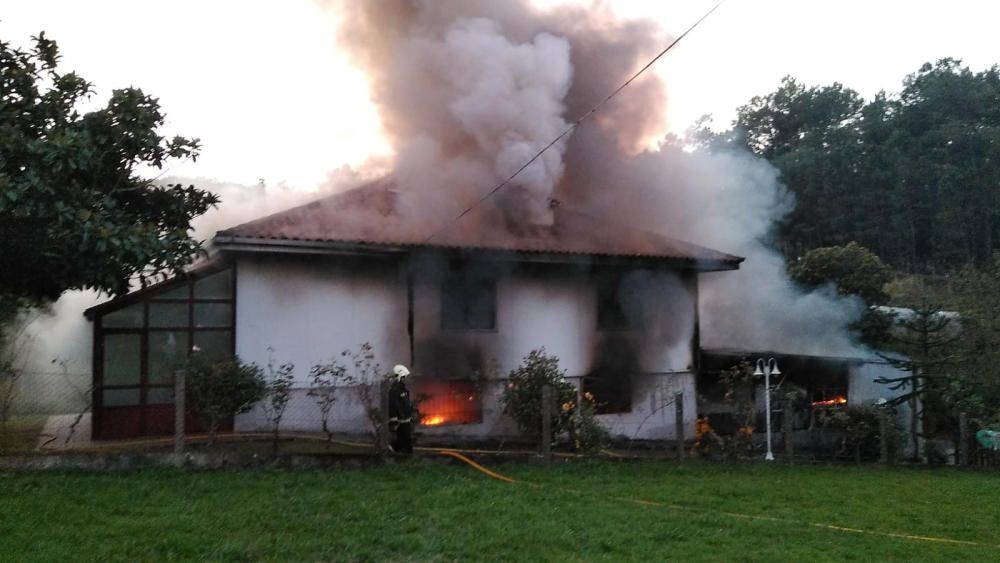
{"x":167,"y":351}
{"x":213,"y":314}
{"x":129,"y":317}
{"x":122,"y":359}
{"x":214,"y":345}
{"x":180,"y":292}
{"x":168,"y":315}
{"x":216,"y":286}
{"x":160,"y":396}
{"x":120,"y":397}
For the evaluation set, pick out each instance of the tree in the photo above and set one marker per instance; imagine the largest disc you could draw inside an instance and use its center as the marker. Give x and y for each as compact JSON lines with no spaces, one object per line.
{"x":74,"y":210}
{"x":975,"y":386}
{"x":927,"y":341}
{"x":854,"y":270}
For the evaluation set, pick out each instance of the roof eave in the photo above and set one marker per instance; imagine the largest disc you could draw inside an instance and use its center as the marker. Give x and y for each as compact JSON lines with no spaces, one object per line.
{"x":232,"y":243}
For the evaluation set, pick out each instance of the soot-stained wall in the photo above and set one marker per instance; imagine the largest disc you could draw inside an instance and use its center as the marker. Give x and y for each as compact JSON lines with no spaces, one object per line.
{"x":309,"y":309}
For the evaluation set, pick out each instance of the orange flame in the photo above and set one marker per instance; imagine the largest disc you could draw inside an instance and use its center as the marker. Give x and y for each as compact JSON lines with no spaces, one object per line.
{"x":838,"y":400}
{"x":433,"y":420}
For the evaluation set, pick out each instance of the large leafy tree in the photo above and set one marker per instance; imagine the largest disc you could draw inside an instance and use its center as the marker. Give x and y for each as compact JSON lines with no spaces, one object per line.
{"x":75,"y":209}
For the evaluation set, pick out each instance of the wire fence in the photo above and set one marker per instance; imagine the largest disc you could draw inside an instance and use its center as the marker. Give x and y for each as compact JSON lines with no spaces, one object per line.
{"x":42,"y":409}
{"x":43,"y":412}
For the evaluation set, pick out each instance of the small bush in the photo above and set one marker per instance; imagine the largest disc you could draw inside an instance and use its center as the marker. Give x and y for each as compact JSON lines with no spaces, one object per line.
{"x":522,"y":399}
{"x":324,"y":381}
{"x":221,"y":389}
{"x":859,"y":427}
{"x":277,"y":393}
{"x":587,"y":434}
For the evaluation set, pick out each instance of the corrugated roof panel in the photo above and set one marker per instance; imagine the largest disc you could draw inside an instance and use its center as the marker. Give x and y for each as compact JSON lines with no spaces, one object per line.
{"x":371,"y":215}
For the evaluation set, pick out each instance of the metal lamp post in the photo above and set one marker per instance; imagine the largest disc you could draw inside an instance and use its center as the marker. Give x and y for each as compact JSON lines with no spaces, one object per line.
{"x":767,"y":369}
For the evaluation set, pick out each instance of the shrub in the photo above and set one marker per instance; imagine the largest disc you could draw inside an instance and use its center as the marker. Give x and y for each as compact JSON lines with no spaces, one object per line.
{"x":325,"y":379}
{"x":587,"y":434}
{"x":372,"y":386}
{"x":277,"y":392}
{"x":522,"y":399}
{"x":740,"y":383}
{"x":859,"y":427}
{"x":221,"y":389}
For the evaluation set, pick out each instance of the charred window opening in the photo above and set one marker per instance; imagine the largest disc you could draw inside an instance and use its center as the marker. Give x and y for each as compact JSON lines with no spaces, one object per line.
{"x":443,"y":402}
{"x":610,"y":379}
{"x":819,"y":384}
{"x":612,"y":313}
{"x":469,"y":301}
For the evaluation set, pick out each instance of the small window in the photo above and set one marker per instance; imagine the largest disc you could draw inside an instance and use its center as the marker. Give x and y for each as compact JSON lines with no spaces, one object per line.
{"x":469,"y":303}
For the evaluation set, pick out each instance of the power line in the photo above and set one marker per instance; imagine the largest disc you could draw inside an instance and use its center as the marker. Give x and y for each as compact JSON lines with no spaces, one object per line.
{"x":572,"y":126}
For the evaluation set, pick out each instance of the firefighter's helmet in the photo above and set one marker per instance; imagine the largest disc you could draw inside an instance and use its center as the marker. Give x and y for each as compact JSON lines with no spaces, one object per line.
{"x":400,"y":371}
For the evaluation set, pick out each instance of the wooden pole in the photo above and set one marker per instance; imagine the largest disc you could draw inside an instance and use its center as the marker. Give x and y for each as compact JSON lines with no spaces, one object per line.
{"x":963,"y":436}
{"x":179,"y":408}
{"x":546,"y":422}
{"x":679,"y":423}
{"x":786,"y":427}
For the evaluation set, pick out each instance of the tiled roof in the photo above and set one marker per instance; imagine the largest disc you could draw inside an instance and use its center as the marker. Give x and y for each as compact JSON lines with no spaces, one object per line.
{"x":375,"y":215}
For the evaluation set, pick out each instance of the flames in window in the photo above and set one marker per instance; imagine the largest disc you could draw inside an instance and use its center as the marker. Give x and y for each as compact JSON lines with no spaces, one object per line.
{"x":835,"y":401}
{"x":447,"y":402}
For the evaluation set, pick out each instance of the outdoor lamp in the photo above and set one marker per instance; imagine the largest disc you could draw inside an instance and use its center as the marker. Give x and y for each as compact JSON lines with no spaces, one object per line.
{"x":767,"y":369}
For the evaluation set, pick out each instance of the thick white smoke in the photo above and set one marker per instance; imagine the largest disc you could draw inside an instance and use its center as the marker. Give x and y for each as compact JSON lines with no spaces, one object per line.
{"x":482,"y":104}
{"x":55,"y":344}
{"x":469,"y":90}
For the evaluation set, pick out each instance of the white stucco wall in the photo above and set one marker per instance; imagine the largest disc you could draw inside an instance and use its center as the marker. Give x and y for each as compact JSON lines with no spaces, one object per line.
{"x":862,"y":387}
{"x":309,"y":309}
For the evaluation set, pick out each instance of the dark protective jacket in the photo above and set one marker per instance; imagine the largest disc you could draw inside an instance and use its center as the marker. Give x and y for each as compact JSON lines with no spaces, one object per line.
{"x":400,"y":407}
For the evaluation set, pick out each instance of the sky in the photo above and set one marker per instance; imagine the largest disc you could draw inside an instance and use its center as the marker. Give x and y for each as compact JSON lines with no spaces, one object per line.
{"x":264,"y":87}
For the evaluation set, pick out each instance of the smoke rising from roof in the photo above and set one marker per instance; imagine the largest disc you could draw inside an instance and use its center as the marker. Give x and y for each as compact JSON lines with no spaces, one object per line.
{"x":469,"y":90}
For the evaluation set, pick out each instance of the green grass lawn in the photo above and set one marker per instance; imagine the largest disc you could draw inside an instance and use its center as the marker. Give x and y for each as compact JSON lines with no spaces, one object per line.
{"x":439,"y":512}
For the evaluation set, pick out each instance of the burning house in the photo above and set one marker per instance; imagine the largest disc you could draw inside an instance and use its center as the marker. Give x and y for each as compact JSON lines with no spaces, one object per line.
{"x":618,"y":306}
{"x":436,"y":271}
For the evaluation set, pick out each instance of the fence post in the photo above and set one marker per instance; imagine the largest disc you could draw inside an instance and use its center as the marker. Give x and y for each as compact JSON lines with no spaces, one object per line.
{"x":963,"y":436}
{"x":786,"y":427}
{"x":546,"y":422}
{"x":679,"y":423}
{"x":883,"y":436}
{"x":179,"y":411}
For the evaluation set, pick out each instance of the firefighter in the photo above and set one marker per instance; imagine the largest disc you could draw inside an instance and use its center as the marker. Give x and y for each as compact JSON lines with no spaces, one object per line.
{"x":400,"y":411}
